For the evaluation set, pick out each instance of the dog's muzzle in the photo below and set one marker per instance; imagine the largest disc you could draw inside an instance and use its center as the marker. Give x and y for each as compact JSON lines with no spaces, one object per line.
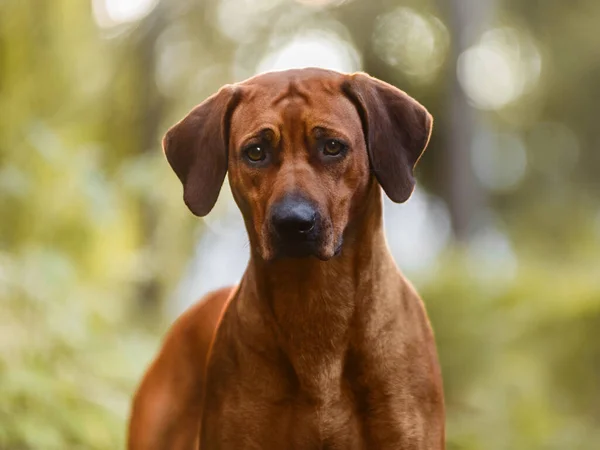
{"x":295,"y":227}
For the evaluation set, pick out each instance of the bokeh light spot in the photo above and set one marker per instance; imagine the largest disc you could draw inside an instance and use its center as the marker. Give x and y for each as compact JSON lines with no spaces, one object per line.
{"x":109,"y":13}
{"x":499,"y":69}
{"x":313,"y":49}
{"x":411,"y":42}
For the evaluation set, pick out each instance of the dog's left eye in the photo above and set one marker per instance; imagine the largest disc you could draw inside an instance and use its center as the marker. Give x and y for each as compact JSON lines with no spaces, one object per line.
{"x":255,"y":153}
{"x":333,"y":147}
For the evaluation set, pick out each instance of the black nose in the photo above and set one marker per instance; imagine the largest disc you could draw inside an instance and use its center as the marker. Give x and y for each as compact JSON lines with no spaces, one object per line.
{"x":293,"y":217}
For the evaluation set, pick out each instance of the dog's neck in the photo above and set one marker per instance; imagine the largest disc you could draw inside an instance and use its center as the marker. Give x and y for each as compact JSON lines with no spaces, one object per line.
{"x":308,"y":307}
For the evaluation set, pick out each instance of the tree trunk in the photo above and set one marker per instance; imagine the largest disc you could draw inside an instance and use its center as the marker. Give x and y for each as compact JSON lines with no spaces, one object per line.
{"x":464,"y":194}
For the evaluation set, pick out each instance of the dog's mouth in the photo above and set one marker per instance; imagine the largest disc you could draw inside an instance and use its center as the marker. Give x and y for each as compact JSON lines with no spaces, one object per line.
{"x":297,"y":249}
{"x":315,"y":243}
{"x":304,"y":245}
{"x":338,"y":248}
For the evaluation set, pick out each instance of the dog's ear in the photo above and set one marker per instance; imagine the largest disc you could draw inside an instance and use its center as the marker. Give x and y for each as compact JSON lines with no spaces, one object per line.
{"x":196,"y":149}
{"x":397,"y":130}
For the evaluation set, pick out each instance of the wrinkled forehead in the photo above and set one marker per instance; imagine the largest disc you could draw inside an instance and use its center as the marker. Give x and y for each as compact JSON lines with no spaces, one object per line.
{"x":283,"y":102}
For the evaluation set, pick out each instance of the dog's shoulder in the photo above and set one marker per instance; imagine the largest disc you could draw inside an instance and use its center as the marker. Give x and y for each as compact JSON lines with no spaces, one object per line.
{"x":188,"y":340}
{"x":170,"y":393}
{"x":200,"y":320}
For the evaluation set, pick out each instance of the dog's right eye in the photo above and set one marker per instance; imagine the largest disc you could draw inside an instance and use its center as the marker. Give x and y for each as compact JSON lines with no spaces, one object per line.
{"x":333,"y":147}
{"x":255,"y":153}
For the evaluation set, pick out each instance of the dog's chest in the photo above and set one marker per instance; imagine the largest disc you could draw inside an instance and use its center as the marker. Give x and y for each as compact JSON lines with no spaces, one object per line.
{"x":321,"y":412}
{"x":333,"y":426}
{"x":323,"y":407}
{"x":298,"y":425}
{"x":312,"y":399}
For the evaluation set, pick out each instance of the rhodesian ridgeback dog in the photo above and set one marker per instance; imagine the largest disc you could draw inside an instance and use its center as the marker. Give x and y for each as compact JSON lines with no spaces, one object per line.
{"x":323,"y":344}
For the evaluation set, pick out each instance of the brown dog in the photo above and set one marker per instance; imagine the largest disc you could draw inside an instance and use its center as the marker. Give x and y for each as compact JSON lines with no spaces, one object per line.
{"x":323,"y":344}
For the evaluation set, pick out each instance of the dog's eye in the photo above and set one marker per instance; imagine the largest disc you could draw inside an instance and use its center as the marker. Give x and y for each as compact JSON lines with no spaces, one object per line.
{"x":333,"y":147}
{"x":255,"y":153}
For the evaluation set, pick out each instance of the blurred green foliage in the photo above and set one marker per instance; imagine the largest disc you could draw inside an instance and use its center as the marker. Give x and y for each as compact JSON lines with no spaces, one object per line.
{"x":94,"y":236}
{"x":519,"y":358}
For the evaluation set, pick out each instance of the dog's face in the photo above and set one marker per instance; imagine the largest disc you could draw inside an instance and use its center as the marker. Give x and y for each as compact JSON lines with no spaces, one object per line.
{"x":301,"y":148}
{"x":297,"y":162}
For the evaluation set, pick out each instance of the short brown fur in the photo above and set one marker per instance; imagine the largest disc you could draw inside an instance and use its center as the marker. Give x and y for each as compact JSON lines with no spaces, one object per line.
{"x":331,"y":351}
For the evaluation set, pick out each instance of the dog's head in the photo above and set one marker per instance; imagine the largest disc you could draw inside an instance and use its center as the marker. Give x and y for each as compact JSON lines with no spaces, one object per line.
{"x":301,"y":148}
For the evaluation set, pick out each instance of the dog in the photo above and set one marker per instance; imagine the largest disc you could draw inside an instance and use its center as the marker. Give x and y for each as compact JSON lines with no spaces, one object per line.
{"x":323,"y":344}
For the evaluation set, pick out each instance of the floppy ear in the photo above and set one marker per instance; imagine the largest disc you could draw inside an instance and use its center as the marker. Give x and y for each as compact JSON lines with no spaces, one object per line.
{"x":196,"y":149}
{"x":396,"y":128}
